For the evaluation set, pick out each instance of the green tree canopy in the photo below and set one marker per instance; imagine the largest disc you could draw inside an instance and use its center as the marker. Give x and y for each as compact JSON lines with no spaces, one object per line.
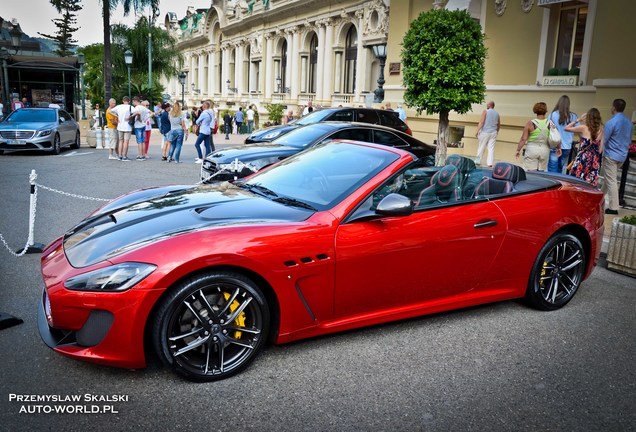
{"x":65,"y":26}
{"x":443,"y":56}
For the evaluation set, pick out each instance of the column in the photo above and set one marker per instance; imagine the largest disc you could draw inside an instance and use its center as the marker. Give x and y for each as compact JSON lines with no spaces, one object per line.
{"x":238,"y":80}
{"x":225,"y":57}
{"x":361,"y":58}
{"x":200,"y":75}
{"x":338,"y":72}
{"x":303,"y":74}
{"x":293,"y":69}
{"x":320,"y":66}
{"x":269,"y":65}
{"x":327,"y":90}
{"x":211,"y":74}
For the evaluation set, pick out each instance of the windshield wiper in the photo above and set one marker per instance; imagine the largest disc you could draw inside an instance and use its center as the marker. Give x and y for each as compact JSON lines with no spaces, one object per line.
{"x":293,"y":202}
{"x":257,"y":188}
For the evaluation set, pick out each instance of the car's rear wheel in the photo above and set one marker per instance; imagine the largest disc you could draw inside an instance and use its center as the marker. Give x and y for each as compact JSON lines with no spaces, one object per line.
{"x":557,"y":272}
{"x":56,"y":145}
{"x":211,"y":326}
{"x":76,"y":143}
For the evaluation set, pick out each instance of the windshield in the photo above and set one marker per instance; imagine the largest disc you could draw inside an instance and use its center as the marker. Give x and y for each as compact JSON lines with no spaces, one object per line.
{"x":324,"y":175}
{"x":313,"y":117}
{"x":304,"y":137}
{"x":27,"y":115}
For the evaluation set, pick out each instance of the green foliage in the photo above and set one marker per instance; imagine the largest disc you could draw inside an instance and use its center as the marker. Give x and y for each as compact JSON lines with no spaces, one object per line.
{"x":629,"y":219}
{"x":574,"y":71}
{"x":65,"y":26}
{"x":553,"y":72}
{"x":563,"y":71}
{"x":443,"y":56}
{"x":275,"y":112}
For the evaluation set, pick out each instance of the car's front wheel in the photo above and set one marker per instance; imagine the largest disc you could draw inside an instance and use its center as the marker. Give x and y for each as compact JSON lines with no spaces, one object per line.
{"x":56,"y":145}
{"x":557,"y":272}
{"x":211,"y":326}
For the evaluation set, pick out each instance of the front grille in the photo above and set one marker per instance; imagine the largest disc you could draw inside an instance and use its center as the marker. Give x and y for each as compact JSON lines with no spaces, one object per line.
{"x":17,"y":134}
{"x":210,"y":167}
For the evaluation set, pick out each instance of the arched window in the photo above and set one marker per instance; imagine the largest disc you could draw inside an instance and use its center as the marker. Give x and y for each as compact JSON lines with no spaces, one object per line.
{"x":351,"y":55}
{"x":313,"y":61}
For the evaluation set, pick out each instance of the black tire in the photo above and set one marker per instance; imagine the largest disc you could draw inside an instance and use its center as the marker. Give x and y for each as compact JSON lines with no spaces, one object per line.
{"x":56,"y":145}
{"x":211,"y":326}
{"x":76,"y":143}
{"x":557,"y":273}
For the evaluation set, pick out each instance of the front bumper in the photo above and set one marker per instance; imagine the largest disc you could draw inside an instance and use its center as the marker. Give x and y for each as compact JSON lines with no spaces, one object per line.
{"x":37,"y":143}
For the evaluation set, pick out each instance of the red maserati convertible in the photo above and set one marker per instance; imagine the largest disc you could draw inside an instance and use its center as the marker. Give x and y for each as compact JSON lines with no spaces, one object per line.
{"x":340,"y":236}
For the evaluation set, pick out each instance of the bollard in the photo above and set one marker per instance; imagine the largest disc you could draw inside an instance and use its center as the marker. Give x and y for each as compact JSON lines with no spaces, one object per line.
{"x":31,"y":246}
{"x":99,"y":138}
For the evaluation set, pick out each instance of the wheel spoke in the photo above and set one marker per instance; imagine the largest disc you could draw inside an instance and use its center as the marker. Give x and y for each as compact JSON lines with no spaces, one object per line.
{"x":185,"y":335}
{"x":220,"y":357}
{"x":243,"y":330}
{"x":229,"y":302}
{"x":192,"y":345}
{"x":207,"y":359}
{"x":240,"y":343}
{"x":239,"y":309}
{"x":196,"y":314}
{"x":205,"y":300}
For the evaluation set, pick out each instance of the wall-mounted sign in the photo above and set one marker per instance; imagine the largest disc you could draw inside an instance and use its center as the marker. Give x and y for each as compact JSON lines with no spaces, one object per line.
{"x":559,"y":80}
{"x":394,"y":68}
{"x":549,"y":2}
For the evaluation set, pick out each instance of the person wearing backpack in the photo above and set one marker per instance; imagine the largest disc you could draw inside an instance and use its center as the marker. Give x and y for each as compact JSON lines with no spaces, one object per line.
{"x":535,"y":139}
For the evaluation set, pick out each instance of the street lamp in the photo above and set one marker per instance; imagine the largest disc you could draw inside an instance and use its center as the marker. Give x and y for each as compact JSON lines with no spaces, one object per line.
{"x":182,"y":80}
{"x":81,"y":59}
{"x":232,"y":89}
{"x":281,"y":89}
{"x":380,"y":53}
{"x":128,"y":60}
{"x":4,"y":56}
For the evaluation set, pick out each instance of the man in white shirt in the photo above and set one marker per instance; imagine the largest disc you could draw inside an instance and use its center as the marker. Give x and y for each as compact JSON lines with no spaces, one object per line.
{"x":141,"y":114}
{"x":124,"y":129}
{"x":309,"y":108}
{"x":250,"y":119}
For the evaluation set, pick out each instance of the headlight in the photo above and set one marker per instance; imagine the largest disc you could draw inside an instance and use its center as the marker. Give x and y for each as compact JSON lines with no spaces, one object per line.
{"x":116,"y":278}
{"x":271,"y":135}
{"x":236,"y":166}
{"x":43,"y":133}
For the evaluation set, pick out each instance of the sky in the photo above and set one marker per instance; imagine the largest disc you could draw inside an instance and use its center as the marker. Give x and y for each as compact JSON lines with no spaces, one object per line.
{"x":35,"y":16}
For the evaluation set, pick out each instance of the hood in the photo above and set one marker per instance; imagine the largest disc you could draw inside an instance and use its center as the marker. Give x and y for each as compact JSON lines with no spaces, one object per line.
{"x":252,"y":152}
{"x":119,"y":228}
{"x":270,"y":133}
{"x":27,"y":125}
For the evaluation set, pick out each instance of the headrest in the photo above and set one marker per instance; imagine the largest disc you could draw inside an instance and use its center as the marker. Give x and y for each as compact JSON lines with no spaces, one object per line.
{"x":446,"y":178}
{"x":462,"y":163}
{"x":508,"y":171}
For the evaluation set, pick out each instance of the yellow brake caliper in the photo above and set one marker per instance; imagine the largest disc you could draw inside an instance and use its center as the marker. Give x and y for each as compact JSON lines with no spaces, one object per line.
{"x":240,"y":319}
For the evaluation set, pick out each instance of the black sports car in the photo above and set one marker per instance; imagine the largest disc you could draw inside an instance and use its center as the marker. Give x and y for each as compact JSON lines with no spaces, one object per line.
{"x":363,"y":115}
{"x":237,"y":162}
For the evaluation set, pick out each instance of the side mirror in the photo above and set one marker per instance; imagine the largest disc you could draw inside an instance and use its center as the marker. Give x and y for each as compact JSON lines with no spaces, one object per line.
{"x":395,"y":205}
{"x":62,"y":120}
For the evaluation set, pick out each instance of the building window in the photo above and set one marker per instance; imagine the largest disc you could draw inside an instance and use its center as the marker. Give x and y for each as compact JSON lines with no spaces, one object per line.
{"x":351,"y":55}
{"x":313,"y":61}
{"x":283,"y":67}
{"x":571,"y":34}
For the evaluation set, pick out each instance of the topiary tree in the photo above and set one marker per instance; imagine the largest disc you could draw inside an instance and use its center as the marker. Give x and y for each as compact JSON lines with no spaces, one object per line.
{"x":443,"y":61}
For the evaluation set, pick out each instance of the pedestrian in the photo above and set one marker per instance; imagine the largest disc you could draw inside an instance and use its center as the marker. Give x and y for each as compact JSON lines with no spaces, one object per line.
{"x":388,"y":106}
{"x":227,"y":124}
{"x":1,"y":110}
{"x":164,"y":129}
{"x":587,"y":163}
{"x":146,"y":105}
{"x":535,"y":138}
{"x":561,"y":116}
{"x":289,"y":117}
{"x":16,"y":105}
{"x":111,"y":127}
{"x":307,"y":109}
{"x":206,"y":122}
{"x":26,"y":103}
{"x":631,"y":154}
{"x":238,"y":119}
{"x":401,"y":112}
{"x":178,"y":132}
{"x":487,"y":130}
{"x":141,"y":114}
{"x":618,"y":137}
{"x":97,"y":116}
{"x":250,"y":119}
{"x":123,"y":112}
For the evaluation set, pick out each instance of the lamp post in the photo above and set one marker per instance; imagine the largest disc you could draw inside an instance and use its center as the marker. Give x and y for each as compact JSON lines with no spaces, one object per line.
{"x":182,"y":80}
{"x":232,"y":89}
{"x":16,"y":38}
{"x":128,"y":60}
{"x":4,"y":55}
{"x":380,"y":53}
{"x":281,"y":89}
{"x":81,"y":59}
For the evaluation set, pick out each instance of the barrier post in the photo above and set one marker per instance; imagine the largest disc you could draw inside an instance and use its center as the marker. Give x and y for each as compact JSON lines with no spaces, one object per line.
{"x":31,"y":246}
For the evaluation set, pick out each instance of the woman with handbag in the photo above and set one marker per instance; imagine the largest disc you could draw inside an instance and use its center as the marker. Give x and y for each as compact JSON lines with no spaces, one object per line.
{"x":588,"y":160}
{"x":561,"y":116}
{"x":535,"y":139}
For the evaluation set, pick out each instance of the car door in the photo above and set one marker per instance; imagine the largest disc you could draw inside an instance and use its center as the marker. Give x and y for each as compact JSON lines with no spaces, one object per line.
{"x":434,"y":255}
{"x":66,"y":127}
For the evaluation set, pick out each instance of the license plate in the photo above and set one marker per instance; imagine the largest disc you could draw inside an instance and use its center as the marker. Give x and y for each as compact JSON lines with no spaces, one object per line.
{"x":16,"y":141}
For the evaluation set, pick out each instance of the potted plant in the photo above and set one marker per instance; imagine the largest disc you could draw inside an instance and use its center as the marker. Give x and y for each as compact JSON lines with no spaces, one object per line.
{"x":621,"y":252}
{"x":275,"y":113}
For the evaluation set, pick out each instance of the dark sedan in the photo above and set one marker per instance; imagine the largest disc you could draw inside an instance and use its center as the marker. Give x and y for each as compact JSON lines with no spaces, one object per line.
{"x":47,"y":129}
{"x":363,"y":115}
{"x":237,"y":162}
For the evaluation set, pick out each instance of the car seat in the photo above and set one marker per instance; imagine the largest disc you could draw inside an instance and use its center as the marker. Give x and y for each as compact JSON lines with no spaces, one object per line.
{"x":444,"y":187}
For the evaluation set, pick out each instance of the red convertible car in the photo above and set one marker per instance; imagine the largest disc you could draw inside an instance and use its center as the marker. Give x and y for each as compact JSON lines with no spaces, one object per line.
{"x":343,"y":235}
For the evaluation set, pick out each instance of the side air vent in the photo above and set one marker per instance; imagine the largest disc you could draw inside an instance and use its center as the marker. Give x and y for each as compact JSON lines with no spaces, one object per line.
{"x":290,"y":263}
{"x":322,"y":257}
{"x":306,"y":260}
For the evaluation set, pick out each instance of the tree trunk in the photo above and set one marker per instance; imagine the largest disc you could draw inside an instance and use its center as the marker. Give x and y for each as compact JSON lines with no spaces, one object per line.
{"x":108,"y":74}
{"x":442,"y":139}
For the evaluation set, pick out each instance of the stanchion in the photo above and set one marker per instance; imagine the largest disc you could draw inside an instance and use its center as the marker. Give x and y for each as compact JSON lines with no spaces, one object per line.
{"x":31,"y":246}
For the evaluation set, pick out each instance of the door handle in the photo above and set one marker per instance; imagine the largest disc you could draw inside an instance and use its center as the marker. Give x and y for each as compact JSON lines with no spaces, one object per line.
{"x":485,"y":224}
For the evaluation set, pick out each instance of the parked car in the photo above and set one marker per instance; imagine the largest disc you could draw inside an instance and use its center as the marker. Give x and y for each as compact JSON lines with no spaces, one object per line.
{"x":47,"y":129}
{"x":238,"y":162}
{"x":340,"y":236}
{"x":363,"y":115}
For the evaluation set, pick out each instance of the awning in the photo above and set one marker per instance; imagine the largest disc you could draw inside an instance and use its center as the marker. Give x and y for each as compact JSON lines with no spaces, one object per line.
{"x":43,"y":62}
{"x":472,"y":6}
{"x":551,"y":2}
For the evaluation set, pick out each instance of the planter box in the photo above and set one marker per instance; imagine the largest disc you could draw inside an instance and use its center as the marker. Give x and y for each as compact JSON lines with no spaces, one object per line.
{"x":560,"y":80}
{"x":621,"y":252}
